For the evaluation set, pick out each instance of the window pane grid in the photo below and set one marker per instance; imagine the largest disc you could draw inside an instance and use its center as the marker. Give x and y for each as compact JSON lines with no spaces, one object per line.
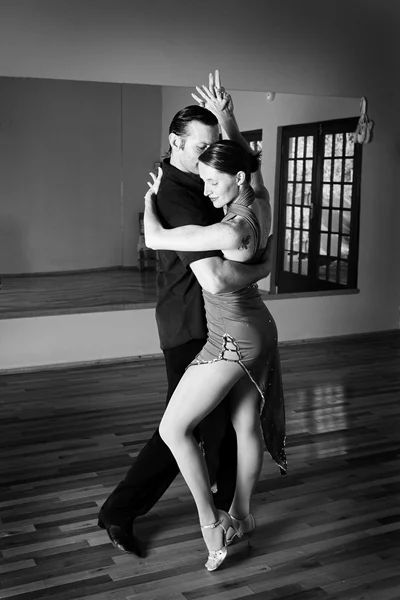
{"x":292,"y":236}
{"x":329,"y":224}
{"x":336,"y":196}
{"x":301,"y":231}
{"x":298,"y":203}
{"x":339,"y":263}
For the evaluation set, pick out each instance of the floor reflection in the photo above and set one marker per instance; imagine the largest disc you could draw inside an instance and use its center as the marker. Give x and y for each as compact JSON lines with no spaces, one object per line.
{"x":84,"y":291}
{"x":321,"y":412}
{"x":77,"y":292}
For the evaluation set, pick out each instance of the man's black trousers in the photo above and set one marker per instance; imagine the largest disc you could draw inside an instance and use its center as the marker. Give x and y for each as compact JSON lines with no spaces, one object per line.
{"x":155,"y":468}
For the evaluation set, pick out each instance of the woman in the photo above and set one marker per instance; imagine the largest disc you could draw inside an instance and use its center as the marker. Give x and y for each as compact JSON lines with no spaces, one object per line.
{"x":240,"y":356}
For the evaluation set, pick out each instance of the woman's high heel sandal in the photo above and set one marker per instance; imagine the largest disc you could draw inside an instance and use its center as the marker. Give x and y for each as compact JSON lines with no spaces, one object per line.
{"x":239,"y":528}
{"x":217,"y":557}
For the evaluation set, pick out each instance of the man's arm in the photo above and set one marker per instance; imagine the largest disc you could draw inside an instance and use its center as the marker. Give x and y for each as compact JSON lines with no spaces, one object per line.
{"x":189,"y":238}
{"x":217,"y":275}
{"x":179,"y":206}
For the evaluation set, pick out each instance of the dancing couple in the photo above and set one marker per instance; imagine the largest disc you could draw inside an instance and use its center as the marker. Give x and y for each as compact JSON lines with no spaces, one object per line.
{"x":234,"y":378}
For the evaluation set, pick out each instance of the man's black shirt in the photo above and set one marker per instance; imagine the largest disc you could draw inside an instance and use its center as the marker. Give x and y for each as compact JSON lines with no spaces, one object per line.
{"x":180,"y":309}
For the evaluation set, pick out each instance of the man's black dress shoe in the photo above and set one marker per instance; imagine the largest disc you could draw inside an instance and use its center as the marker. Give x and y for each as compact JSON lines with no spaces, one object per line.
{"x":123,"y":539}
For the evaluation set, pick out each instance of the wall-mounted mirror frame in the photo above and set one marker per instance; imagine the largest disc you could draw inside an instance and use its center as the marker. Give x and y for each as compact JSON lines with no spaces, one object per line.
{"x":74,"y":161}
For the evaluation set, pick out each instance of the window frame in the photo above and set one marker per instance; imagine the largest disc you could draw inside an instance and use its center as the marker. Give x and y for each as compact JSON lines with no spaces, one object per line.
{"x":253,"y":135}
{"x":312,"y":281}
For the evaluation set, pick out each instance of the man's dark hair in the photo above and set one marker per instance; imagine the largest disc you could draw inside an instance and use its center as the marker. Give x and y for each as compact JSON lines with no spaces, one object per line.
{"x":180,"y":122}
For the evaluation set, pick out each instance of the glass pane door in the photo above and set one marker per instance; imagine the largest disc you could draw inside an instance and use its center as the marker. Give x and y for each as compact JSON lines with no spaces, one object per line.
{"x":335,"y":223}
{"x":298,"y":204}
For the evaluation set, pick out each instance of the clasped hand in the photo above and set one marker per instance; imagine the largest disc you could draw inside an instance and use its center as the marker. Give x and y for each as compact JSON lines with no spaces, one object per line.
{"x":214,"y":97}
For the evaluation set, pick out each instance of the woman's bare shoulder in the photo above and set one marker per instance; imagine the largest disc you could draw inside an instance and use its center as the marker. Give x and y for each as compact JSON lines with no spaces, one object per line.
{"x":245,"y":240}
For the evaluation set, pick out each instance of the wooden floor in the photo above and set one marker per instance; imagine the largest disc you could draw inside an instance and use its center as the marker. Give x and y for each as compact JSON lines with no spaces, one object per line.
{"x":330,"y":529}
{"x":79,"y":292}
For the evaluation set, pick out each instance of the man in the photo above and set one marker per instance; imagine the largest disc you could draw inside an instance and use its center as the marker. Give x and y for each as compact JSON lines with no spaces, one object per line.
{"x":182,"y":329}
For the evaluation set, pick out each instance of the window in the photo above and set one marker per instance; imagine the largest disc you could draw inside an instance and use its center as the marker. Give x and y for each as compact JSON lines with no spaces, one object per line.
{"x":254,"y":138}
{"x":319,"y":202}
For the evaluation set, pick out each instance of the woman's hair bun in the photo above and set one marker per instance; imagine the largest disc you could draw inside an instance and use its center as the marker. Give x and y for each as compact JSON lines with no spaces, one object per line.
{"x":255,"y":160}
{"x":230,"y":157}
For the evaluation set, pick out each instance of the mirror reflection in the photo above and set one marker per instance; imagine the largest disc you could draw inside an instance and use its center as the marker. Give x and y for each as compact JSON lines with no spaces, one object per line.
{"x":74,"y":162}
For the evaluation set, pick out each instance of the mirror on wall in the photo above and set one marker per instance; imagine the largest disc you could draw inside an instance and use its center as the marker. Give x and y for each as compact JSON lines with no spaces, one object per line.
{"x":74,"y":162}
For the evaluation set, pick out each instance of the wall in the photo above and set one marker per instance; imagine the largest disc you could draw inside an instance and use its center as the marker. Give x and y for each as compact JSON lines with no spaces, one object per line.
{"x":311,"y":47}
{"x":141,"y":118}
{"x":42,"y":341}
{"x":73,"y":172}
{"x":60,"y":168}
{"x":342,"y":48}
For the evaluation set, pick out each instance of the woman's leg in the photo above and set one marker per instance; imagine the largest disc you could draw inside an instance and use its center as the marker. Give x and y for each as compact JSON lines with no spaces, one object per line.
{"x":244,"y":402}
{"x":201,"y":389}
